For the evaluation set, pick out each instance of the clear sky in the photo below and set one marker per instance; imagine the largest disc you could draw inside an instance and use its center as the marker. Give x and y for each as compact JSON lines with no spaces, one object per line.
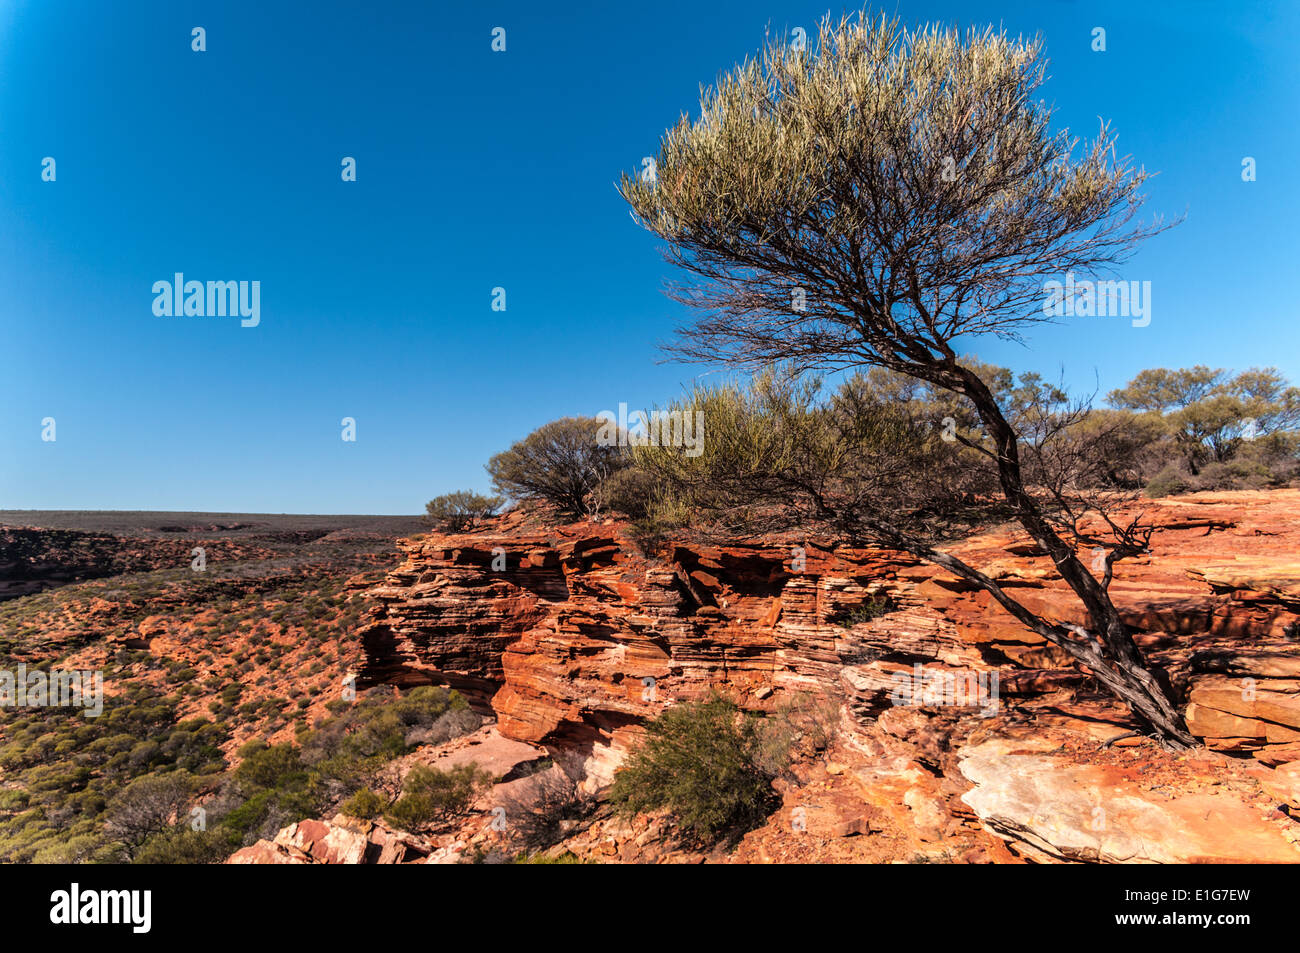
{"x":478,"y":170}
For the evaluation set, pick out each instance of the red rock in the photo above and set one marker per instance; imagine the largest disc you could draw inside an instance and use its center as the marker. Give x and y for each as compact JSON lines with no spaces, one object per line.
{"x":581,"y":636}
{"x":1283,"y":783}
{"x":343,"y":840}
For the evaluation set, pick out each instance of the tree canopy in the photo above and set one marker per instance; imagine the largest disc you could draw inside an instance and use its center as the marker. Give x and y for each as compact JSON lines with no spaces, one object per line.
{"x":870,"y":203}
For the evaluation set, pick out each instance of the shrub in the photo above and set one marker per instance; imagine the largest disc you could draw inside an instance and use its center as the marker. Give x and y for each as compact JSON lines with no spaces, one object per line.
{"x":873,"y":608}
{"x":1238,"y":474}
{"x":702,"y":762}
{"x":451,"y":724}
{"x":565,"y":858}
{"x":807,"y":725}
{"x":632,"y":491}
{"x":365,"y":804}
{"x":1167,"y":482}
{"x":148,"y":805}
{"x":181,"y":845}
{"x":561,"y":463}
{"x":546,"y":808}
{"x":460,"y":510}
{"x":665,"y":516}
{"x":429,"y":794}
{"x":274,"y":766}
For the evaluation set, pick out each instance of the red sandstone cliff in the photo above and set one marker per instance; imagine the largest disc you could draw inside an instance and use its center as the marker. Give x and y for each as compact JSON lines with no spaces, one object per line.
{"x":560,"y":630}
{"x":573,"y":637}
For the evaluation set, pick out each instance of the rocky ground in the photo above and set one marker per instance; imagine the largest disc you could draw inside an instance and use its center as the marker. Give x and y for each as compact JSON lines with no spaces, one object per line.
{"x":571,"y":636}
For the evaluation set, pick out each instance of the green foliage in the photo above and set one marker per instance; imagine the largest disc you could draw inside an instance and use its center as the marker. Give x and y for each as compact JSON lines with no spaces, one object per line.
{"x":269,"y":766}
{"x":787,"y":177}
{"x":91,"y":789}
{"x":704,"y":763}
{"x":460,"y":510}
{"x":782,"y":455}
{"x":873,"y":607}
{"x":430,"y":795}
{"x":365,"y":804}
{"x":567,"y":857}
{"x":149,"y":805}
{"x":182,"y":845}
{"x":1218,"y":430}
{"x":1167,"y":482}
{"x":275,"y":785}
{"x":124,"y":783}
{"x":563,"y":463}
{"x":633,"y":492}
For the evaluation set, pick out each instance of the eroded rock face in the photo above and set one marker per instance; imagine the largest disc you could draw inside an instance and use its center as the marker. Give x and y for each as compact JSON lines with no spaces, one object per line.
{"x":572,"y":636}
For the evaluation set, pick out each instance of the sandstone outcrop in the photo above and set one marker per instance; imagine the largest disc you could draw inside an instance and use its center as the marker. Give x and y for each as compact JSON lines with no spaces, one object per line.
{"x":572,"y":636}
{"x":1053,"y":808}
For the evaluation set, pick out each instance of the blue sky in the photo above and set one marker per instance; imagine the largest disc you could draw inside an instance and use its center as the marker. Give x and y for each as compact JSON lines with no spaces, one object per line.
{"x":477,"y":170}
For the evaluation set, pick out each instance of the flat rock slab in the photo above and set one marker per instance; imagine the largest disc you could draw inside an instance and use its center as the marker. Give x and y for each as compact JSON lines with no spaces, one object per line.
{"x":1086,"y":812}
{"x":487,"y":748}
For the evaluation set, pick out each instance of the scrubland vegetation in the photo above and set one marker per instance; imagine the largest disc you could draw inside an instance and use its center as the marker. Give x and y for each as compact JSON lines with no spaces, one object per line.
{"x":1166,"y":432}
{"x":178,"y":768}
{"x":710,"y":765}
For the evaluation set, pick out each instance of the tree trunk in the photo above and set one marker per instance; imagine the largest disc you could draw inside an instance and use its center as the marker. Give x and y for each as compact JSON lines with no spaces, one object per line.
{"x":1130,"y":678}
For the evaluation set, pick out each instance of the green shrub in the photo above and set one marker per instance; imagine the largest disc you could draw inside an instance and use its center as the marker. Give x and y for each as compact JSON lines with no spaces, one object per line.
{"x":1167,"y":482}
{"x":148,"y":805}
{"x":365,"y":804}
{"x":269,"y":766}
{"x":632,"y":491}
{"x":1238,"y":474}
{"x":430,"y":794}
{"x":539,"y":858}
{"x":562,"y":463}
{"x":181,"y":845}
{"x":873,"y":608}
{"x":703,"y":763}
{"x":460,"y":510}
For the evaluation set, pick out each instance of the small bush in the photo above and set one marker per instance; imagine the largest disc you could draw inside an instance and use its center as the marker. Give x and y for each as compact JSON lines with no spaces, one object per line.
{"x":460,"y":510}
{"x":1167,"y":482}
{"x":703,"y":763}
{"x":1234,"y":475}
{"x":873,"y":608}
{"x":563,"y":463}
{"x":430,"y":795}
{"x":365,"y":804}
{"x":451,"y":724}
{"x":547,"y":808}
{"x":631,"y":491}
{"x":181,"y":845}
{"x":148,"y":805}
{"x":538,"y":858}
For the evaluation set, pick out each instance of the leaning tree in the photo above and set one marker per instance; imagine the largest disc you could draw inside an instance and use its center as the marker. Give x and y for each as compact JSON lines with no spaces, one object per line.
{"x":879,"y":201}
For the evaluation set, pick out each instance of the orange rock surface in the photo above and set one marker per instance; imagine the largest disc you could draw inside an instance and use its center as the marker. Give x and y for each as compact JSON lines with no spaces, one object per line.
{"x":571,"y":635}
